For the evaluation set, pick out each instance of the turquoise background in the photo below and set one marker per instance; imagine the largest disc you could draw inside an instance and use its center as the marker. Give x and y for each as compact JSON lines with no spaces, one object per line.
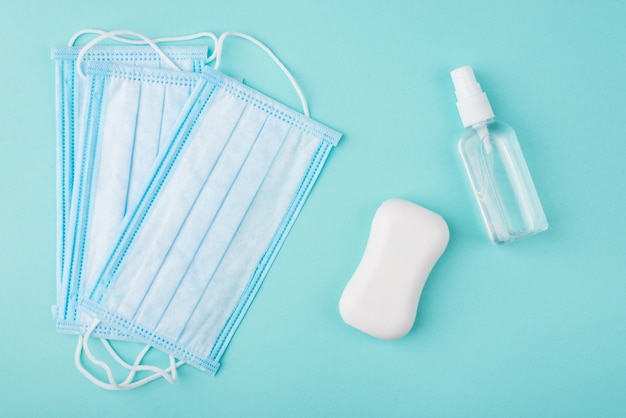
{"x":536,"y":328}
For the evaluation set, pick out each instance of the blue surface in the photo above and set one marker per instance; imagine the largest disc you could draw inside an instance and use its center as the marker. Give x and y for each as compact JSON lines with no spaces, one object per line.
{"x":536,"y":328}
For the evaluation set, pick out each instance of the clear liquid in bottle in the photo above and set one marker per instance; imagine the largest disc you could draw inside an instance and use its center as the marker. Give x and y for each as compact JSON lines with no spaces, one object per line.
{"x":496,"y":167}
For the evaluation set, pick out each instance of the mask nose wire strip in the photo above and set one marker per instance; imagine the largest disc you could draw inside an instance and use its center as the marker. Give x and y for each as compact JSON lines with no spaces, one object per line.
{"x":181,"y":38}
{"x":112,"y":385}
{"x":111,"y":34}
{"x":218,"y":60}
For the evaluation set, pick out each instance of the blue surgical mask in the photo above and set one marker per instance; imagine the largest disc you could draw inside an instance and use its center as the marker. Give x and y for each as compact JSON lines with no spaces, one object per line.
{"x":216,"y":210}
{"x":131,"y":113}
{"x":69,"y":93}
{"x":90,"y":165}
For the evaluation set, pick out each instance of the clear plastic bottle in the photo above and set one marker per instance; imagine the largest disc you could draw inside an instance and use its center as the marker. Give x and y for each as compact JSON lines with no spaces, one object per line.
{"x":495,"y":166}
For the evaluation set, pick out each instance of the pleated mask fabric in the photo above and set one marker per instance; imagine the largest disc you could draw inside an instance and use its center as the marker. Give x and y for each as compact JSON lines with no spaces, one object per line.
{"x":69,"y":91}
{"x":128,"y":114}
{"x":218,"y":205}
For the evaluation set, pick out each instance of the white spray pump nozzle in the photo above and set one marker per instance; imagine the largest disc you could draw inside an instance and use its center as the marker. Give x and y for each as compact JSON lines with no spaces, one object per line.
{"x":472,"y":102}
{"x":465,"y":83}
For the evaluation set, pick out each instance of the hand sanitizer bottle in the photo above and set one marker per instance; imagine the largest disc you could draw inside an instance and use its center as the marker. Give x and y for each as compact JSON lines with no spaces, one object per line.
{"x":495,"y":166}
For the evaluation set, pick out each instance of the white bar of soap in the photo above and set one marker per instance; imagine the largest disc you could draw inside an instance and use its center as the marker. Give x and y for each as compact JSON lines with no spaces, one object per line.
{"x":405,"y":242}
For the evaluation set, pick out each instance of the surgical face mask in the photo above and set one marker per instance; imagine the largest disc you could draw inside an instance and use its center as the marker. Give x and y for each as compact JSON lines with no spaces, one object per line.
{"x":190,"y":58}
{"x":218,"y":205}
{"x":69,"y":94}
{"x":131,"y":113}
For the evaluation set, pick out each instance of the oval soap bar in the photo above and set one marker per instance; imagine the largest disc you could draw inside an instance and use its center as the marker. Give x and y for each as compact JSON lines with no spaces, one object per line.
{"x":404,"y":243}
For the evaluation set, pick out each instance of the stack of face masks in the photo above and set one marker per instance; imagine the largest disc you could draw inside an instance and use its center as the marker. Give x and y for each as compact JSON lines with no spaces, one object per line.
{"x":176,"y":188}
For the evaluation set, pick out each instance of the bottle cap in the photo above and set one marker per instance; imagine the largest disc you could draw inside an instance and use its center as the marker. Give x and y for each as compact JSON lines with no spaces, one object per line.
{"x":472,"y":102}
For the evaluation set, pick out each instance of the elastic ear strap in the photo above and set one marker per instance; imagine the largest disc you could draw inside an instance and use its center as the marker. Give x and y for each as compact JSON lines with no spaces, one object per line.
{"x":218,"y":59}
{"x":181,"y":38}
{"x":115,"y":386}
{"x":114,"y":33}
{"x":191,"y":37}
{"x":136,"y":367}
{"x":82,"y":32}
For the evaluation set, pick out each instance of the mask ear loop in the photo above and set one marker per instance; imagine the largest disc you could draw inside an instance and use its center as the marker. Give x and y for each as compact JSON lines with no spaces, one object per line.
{"x":192,"y":37}
{"x":181,"y":38}
{"x":137,"y":366}
{"x":113,"y":385}
{"x":218,"y":59}
{"x":82,"y":32}
{"x":111,"y":34}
